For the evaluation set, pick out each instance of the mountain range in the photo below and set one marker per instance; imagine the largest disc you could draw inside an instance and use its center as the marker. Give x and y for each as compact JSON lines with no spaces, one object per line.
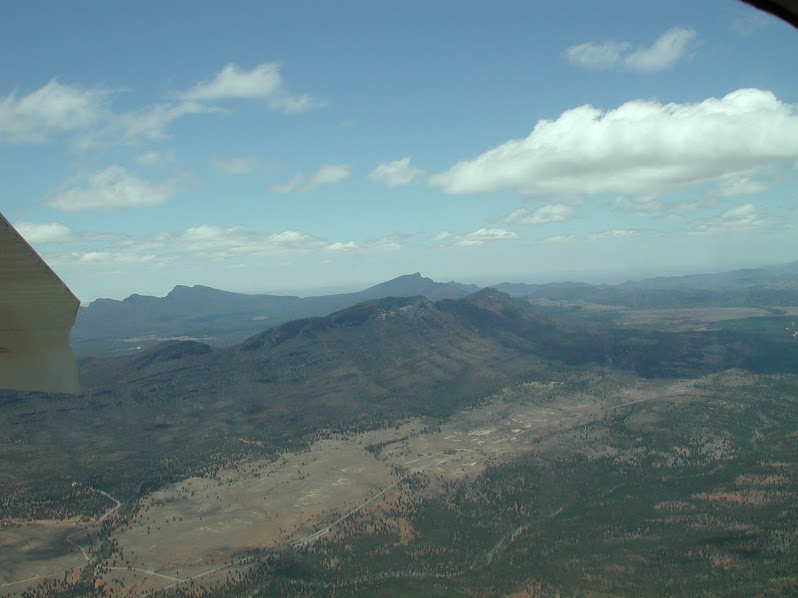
{"x":367,"y":366}
{"x":222,"y":318}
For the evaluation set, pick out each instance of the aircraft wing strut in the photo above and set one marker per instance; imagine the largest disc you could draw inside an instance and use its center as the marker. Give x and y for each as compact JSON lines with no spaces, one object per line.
{"x":37,"y":312}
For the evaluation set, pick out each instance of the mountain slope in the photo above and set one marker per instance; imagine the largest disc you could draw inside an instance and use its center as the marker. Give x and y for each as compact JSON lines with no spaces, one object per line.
{"x":220,"y":317}
{"x":183,"y":407}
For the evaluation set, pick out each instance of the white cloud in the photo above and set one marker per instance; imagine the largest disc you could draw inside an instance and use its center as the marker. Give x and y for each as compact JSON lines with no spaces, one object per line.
{"x":58,"y":109}
{"x":203,"y":242}
{"x":652,"y":207}
{"x":477,"y":238}
{"x":340,"y":247}
{"x":156,"y":159}
{"x":328,"y":174}
{"x":397,"y":173}
{"x":84,"y":114}
{"x":263,"y":82}
{"x":392,"y":242}
{"x":561,"y":239}
{"x":596,"y":56}
{"x":543,"y":215}
{"x":740,"y":184}
{"x":744,"y":218}
{"x":238,"y":165}
{"x":109,"y":257}
{"x":642,"y":149}
{"x":442,"y":236}
{"x":295,"y":183}
{"x":604,"y":234}
{"x":110,"y":189}
{"x":43,"y":233}
{"x":612,"y":234}
{"x":148,"y":124}
{"x":668,"y":49}
{"x":485,"y":235}
{"x":52,"y":109}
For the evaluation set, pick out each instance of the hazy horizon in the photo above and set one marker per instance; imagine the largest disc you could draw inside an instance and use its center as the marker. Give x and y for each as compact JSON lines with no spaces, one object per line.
{"x":608,"y":277}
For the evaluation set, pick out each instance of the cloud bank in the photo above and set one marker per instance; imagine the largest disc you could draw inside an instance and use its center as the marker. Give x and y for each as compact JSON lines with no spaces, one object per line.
{"x":643,"y":149}
{"x":110,"y":189}
{"x":398,"y":173}
{"x":543,"y":215}
{"x":85,"y":114}
{"x":477,"y":238}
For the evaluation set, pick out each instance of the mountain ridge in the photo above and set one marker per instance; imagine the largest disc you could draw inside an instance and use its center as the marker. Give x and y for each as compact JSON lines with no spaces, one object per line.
{"x":224,"y":318}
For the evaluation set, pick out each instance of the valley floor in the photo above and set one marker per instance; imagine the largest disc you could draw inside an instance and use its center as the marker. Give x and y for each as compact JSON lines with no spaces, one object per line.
{"x":203,"y":530}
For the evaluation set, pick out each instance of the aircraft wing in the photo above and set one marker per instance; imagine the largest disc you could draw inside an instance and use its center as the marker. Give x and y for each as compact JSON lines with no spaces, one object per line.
{"x":37,"y":311}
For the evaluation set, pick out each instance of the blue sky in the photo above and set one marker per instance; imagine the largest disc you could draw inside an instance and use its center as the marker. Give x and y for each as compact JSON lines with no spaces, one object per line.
{"x":264,"y":147}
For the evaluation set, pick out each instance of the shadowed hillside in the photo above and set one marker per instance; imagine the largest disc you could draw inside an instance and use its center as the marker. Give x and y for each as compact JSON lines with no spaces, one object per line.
{"x":220,"y":317}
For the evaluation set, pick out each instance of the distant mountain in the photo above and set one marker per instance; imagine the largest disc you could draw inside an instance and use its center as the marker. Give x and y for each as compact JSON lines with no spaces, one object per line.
{"x":373,"y":362}
{"x":220,"y":317}
{"x":412,"y":285}
{"x":754,"y":287}
{"x":182,"y":408}
{"x":734,"y":279}
{"x":382,"y":348}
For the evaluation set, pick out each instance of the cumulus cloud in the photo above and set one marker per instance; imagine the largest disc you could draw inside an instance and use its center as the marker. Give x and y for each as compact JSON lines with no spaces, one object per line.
{"x":397,"y":173}
{"x":596,"y":56}
{"x":477,"y":238}
{"x":340,"y":247}
{"x":51,"y":110}
{"x":740,"y":183}
{"x":147,"y":124}
{"x":561,"y":238}
{"x":202,"y":242}
{"x":86,"y":115}
{"x":543,"y":215}
{"x":57,"y":110}
{"x":328,"y":174}
{"x":262,"y":82}
{"x":112,"y":188}
{"x":392,"y":242}
{"x":225,"y":241}
{"x":109,"y":257}
{"x":744,"y":218}
{"x":642,"y":149}
{"x":668,"y":49}
{"x":44,"y":233}
{"x":238,"y":165}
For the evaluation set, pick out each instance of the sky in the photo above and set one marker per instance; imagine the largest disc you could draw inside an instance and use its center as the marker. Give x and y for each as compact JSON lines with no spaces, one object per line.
{"x":291,"y":146}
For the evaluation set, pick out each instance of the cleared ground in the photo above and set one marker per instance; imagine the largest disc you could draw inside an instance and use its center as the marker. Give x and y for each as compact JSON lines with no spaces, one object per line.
{"x":195,"y":529}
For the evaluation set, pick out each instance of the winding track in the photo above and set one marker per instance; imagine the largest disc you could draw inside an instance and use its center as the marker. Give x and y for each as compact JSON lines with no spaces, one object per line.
{"x":433,"y":460}
{"x":96,"y":523}
{"x":72,"y":535}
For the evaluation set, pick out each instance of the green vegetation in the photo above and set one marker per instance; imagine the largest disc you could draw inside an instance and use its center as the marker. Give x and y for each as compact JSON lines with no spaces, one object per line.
{"x":694,"y":496}
{"x":694,"y":499}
